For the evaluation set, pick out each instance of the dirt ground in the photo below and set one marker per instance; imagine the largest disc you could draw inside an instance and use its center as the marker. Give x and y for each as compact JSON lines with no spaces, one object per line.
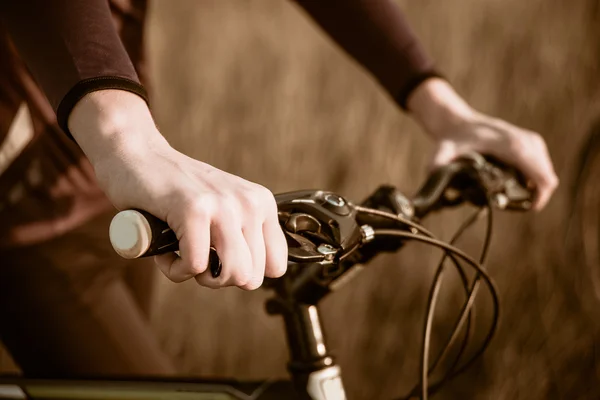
{"x":252,"y":87}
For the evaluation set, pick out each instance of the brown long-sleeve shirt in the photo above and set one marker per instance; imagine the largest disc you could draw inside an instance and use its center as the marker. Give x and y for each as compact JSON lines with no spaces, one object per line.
{"x":74,"y":47}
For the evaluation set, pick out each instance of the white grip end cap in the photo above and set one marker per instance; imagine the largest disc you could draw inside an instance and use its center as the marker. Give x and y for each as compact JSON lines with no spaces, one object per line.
{"x":130,"y":234}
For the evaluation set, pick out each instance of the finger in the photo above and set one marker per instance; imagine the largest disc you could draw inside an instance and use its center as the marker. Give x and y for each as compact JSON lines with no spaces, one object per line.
{"x":543,"y":192}
{"x":536,"y":182}
{"x":541,"y":199}
{"x":194,"y":247}
{"x":255,"y":240}
{"x":164,"y":261}
{"x":544,"y":189}
{"x":535,"y":164}
{"x":276,"y":249}
{"x":550,"y":181}
{"x":445,"y":154}
{"x":228,"y":240}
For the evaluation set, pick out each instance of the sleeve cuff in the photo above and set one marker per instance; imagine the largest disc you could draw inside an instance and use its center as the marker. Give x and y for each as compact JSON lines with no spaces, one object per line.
{"x":402,"y":97}
{"x":86,"y":86}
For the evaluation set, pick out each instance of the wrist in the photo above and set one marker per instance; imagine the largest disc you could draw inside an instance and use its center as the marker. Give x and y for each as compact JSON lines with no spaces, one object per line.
{"x":109,"y":123}
{"x":438,"y":108}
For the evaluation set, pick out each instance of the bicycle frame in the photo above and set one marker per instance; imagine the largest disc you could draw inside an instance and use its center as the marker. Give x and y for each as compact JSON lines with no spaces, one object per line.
{"x":327,"y":238}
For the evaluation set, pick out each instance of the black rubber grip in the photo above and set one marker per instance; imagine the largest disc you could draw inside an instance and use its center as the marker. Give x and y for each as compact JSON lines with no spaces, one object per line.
{"x":164,"y":241}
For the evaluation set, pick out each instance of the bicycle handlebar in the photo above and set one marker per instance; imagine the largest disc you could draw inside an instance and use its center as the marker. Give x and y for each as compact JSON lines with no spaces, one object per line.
{"x":327,"y":236}
{"x":322,"y":227}
{"x":475,"y":179}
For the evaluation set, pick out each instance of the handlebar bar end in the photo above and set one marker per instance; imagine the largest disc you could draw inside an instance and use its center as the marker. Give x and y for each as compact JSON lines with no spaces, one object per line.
{"x":130,"y":234}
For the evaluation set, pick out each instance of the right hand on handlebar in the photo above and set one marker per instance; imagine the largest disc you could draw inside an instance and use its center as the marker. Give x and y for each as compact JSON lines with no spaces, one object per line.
{"x":137,"y":168}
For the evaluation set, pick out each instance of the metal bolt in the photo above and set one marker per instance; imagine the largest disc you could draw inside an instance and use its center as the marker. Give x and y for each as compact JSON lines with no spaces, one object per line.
{"x":501,"y":200}
{"x":335,"y":200}
{"x":326,"y":249}
{"x":368,"y":233}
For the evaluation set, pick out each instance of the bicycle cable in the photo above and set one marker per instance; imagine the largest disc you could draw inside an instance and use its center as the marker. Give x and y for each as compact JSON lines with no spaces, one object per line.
{"x":482,"y":259}
{"x":418,"y":228}
{"x":395,"y":217}
{"x":459,"y":269}
{"x":433,"y":296}
{"x":432,"y":301}
{"x":491,"y":332}
{"x":449,"y":248}
{"x":467,"y":310}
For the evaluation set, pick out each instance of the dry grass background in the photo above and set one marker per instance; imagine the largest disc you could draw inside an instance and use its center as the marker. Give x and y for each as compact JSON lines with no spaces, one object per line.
{"x":252,"y":87}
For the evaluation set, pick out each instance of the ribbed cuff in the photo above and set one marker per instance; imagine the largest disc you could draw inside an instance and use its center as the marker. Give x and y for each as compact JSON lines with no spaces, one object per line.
{"x":402,"y":97}
{"x":86,"y":86}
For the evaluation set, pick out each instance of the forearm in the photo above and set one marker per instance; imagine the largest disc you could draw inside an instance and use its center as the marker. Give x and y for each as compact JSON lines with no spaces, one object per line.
{"x":437,"y":107}
{"x":113,"y":123}
{"x":377,"y":35}
{"x":71,"y":47}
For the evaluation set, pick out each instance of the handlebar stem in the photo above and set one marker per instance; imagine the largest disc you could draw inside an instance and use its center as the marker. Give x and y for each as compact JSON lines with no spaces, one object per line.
{"x":309,"y":359}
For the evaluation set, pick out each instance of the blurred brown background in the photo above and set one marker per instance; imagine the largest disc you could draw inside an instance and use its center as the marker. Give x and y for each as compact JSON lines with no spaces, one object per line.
{"x":252,"y":87}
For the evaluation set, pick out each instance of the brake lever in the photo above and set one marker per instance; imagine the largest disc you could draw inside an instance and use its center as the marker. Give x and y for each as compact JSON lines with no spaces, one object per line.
{"x":505,"y":186}
{"x":320,"y":226}
{"x":321,"y":230}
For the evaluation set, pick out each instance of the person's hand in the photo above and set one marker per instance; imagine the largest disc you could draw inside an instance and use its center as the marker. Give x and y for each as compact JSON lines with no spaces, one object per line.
{"x":458,"y":129}
{"x":204,"y":206}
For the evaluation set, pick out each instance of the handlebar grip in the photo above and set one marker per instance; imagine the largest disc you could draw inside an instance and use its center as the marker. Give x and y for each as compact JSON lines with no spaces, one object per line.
{"x":137,"y":233}
{"x":475,"y":177}
{"x":433,"y":189}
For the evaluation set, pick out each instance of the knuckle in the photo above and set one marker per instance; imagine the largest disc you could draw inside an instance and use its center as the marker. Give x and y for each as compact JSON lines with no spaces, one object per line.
{"x":254,"y":283}
{"x":201,"y":207}
{"x":552,"y":182}
{"x":242,"y":277}
{"x":229,"y":209}
{"x":196,"y":267}
{"x":229,"y":201}
{"x":251,"y":199}
{"x":257,"y":197}
{"x":537,"y":139}
{"x":537,"y":143}
{"x":269,"y":202}
{"x":266,"y":194}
